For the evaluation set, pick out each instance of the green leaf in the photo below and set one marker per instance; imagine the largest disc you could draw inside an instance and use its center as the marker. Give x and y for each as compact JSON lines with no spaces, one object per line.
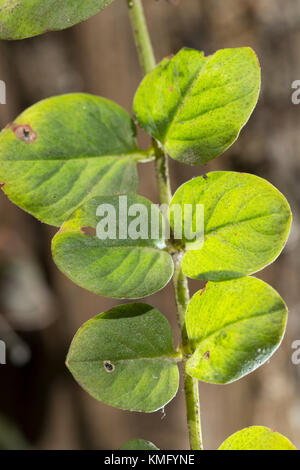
{"x":64,"y":150}
{"x":234,"y":327}
{"x":125,"y":358}
{"x":246,"y":225}
{"x":138,"y":444}
{"x":120,"y":268}
{"x":21,"y":19}
{"x":257,"y":438}
{"x":195,"y":105}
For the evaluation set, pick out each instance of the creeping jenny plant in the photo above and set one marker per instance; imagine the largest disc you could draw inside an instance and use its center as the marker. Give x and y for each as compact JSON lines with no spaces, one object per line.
{"x":64,"y":156}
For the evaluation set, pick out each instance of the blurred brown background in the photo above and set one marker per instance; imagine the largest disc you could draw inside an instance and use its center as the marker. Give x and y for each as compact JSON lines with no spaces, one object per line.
{"x":40,"y":310}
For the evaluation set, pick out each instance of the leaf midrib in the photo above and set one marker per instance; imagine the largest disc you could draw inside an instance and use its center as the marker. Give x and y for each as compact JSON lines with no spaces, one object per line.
{"x":236,"y":322}
{"x":211,"y":233}
{"x":133,"y":155}
{"x":185,"y":96}
{"x":150,"y":359}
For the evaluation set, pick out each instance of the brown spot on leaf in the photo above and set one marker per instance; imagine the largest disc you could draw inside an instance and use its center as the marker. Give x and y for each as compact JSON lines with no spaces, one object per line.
{"x":91,"y":231}
{"x":109,"y":367}
{"x":171,"y":89}
{"x":24,"y":132}
{"x":203,"y":290}
{"x":206,"y":355}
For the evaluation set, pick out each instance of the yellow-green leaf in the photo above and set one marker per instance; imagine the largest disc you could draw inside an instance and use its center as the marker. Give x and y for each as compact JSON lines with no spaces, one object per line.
{"x":196,"y":105}
{"x":64,"y":150}
{"x":246,"y":224}
{"x":257,"y":438}
{"x":234,"y":327}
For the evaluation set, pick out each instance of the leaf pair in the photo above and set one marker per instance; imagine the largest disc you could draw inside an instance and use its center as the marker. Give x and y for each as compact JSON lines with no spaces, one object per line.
{"x":253,"y":438}
{"x":246,"y":224}
{"x":65,"y":150}
{"x":126,"y":358}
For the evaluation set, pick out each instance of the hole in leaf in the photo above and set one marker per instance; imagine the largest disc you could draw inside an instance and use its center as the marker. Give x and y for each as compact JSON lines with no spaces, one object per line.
{"x":109,"y":367}
{"x":24,"y":133}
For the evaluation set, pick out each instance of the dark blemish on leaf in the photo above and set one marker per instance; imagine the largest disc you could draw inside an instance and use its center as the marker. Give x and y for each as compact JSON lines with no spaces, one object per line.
{"x":171,"y":89}
{"x":207,"y":355}
{"x":205,"y":176}
{"x":24,"y":132}
{"x":88,"y":231}
{"x":109,"y":367}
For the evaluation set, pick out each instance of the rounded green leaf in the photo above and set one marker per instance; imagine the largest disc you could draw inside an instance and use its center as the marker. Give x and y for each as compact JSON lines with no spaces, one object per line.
{"x":138,"y":444}
{"x":125,"y":358}
{"x":21,"y":19}
{"x":257,"y":438}
{"x":195,"y":105}
{"x":64,"y":150}
{"x":246,"y":224}
{"x":121,"y":267}
{"x":234,"y":327}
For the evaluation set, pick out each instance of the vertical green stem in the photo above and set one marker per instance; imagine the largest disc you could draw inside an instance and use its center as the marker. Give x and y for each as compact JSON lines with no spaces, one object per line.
{"x":141,"y":35}
{"x":190,"y":384}
{"x":162,"y":173}
{"x":147,"y":61}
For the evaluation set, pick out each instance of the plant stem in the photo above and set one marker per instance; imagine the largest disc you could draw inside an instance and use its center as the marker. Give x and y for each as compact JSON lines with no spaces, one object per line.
{"x":141,"y":35}
{"x":191,"y":389}
{"x":147,"y":61}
